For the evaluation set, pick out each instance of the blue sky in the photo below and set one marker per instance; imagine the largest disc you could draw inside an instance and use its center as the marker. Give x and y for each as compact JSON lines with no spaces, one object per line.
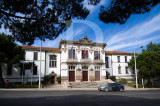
{"x":139,"y":30}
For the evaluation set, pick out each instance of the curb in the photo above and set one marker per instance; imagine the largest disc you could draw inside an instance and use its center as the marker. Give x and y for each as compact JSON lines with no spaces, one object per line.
{"x":72,"y":89}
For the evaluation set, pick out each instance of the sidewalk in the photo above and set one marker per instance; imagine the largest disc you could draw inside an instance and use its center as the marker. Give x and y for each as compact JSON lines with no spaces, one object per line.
{"x":63,"y":88}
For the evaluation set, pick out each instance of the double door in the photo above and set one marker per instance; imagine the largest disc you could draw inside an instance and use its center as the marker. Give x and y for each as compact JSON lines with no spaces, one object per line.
{"x":85,"y":75}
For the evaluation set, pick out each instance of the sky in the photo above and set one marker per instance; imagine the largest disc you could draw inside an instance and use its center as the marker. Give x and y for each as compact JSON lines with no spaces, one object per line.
{"x":139,"y":30}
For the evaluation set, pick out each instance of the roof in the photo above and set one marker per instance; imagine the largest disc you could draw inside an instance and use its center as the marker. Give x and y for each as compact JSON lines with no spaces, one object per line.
{"x":26,"y":47}
{"x":33,"y":48}
{"x":118,"y":52}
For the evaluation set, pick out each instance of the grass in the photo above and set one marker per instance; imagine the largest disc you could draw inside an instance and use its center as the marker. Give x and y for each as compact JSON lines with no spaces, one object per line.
{"x":134,"y":85}
{"x":19,"y":85}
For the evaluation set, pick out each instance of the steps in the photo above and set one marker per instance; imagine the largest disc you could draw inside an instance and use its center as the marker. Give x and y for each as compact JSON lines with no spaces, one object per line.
{"x":87,"y":84}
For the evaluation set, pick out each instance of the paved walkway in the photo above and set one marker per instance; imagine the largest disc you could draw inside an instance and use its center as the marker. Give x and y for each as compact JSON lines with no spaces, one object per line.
{"x":61,"y":87}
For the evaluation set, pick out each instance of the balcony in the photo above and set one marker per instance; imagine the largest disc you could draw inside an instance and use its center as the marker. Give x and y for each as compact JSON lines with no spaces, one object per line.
{"x":72,"y":60}
{"x":85,"y":61}
{"x":98,"y":61}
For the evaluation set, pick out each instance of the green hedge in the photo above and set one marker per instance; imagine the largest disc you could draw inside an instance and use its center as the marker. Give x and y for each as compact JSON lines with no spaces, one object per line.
{"x":134,"y":85}
{"x":19,"y":85}
{"x":122,"y":81}
{"x":59,"y":79}
{"x":113,"y":78}
{"x":46,"y":79}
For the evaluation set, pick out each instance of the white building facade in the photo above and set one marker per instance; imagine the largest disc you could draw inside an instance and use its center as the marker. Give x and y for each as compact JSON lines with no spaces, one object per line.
{"x":74,"y":61}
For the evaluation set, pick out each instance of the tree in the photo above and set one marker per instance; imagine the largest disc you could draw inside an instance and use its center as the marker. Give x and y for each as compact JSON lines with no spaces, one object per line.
{"x":46,"y":19}
{"x":148,"y":62}
{"x":40,"y":19}
{"x":152,"y":47}
{"x":10,"y":53}
{"x":120,"y":10}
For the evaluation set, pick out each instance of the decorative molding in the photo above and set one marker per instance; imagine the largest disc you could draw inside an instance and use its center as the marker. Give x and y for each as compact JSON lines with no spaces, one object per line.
{"x":91,"y":69}
{"x":78,"y":69}
{"x":85,"y":40}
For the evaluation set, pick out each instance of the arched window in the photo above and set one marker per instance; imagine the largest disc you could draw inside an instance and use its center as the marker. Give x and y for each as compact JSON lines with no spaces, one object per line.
{"x":85,"y":67}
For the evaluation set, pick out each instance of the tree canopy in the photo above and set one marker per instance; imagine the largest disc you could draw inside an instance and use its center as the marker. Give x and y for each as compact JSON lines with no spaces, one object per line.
{"x":120,"y":10}
{"x":10,"y":53}
{"x":148,"y":62}
{"x":152,"y":47}
{"x":28,"y":20}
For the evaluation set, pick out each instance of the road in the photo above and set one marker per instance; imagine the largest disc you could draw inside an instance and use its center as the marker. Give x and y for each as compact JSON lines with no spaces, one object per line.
{"x":79,"y":98}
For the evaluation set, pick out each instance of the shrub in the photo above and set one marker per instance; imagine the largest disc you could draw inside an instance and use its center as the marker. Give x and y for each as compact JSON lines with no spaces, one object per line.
{"x":148,"y":85}
{"x":113,"y":78}
{"x":134,"y":85}
{"x":12,"y":85}
{"x":46,"y":79}
{"x":123,"y":81}
{"x":131,"y":85}
{"x":27,"y":86}
{"x":59,"y":79}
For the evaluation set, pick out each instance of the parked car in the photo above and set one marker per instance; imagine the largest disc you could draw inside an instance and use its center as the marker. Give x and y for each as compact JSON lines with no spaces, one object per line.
{"x":112,"y":87}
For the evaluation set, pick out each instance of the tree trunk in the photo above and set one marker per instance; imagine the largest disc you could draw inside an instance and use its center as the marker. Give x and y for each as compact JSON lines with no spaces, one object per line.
{"x":2,"y":82}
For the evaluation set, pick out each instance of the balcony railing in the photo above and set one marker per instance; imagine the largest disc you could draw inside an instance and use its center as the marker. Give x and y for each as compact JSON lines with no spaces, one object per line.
{"x":85,"y":60}
{"x":98,"y":61}
{"x":72,"y":60}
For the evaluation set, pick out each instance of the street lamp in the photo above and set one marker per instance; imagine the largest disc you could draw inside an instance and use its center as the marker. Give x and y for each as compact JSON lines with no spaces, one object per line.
{"x":40,"y":65}
{"x":22,"y":61}
{"x":135,"y":66}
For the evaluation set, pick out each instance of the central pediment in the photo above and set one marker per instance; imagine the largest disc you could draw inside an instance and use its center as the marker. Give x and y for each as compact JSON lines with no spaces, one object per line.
{"x":85,"y":40}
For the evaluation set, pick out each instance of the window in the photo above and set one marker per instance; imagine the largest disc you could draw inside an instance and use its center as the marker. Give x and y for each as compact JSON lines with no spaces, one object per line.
{"x":125,"y":58}
{"x":118,"y":58}
{"x":127,"y":70}
{"x":35,"y":70}
{"x":97,"y":68}
{"x":71,"y":67}
{"x":71,"y":53}
{"x":119,"y":70}
{"x":35,"y":56}
{"x":85,"y":67}
{"x":106,"y":62}
{"x":96,"y":55}
{"x":52,"y":61}
{"x":84,"y":54}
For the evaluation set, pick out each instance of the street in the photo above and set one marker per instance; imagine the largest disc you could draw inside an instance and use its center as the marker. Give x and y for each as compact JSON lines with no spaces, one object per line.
{"x":79,"y":98}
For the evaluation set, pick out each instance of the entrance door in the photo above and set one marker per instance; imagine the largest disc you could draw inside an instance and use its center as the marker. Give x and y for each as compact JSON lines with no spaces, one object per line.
{"x":85,"y":75}
{"x":97,"y":75}
{"x":71,"y":76}
{"x":52,"y":79}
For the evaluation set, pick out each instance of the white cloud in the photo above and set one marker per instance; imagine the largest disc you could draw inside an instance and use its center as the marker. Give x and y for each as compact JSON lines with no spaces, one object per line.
{"x":68,"y":35}
{"x":133,"y":43}
{"x":134,"y":35}
{"x":92,"y":8}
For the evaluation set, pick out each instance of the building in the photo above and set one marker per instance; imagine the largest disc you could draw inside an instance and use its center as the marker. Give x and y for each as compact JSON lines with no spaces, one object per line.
{"x":74,"y":61}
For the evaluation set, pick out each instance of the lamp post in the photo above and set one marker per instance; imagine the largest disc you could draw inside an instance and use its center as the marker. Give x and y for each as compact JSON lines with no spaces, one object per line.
{"x":22,"y":61}
{"x":135,"y":66}
{"x":40,"y":65}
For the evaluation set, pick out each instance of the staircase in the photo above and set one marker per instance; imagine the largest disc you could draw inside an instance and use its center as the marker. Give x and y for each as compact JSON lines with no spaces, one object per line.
{"x":87,"y":84}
